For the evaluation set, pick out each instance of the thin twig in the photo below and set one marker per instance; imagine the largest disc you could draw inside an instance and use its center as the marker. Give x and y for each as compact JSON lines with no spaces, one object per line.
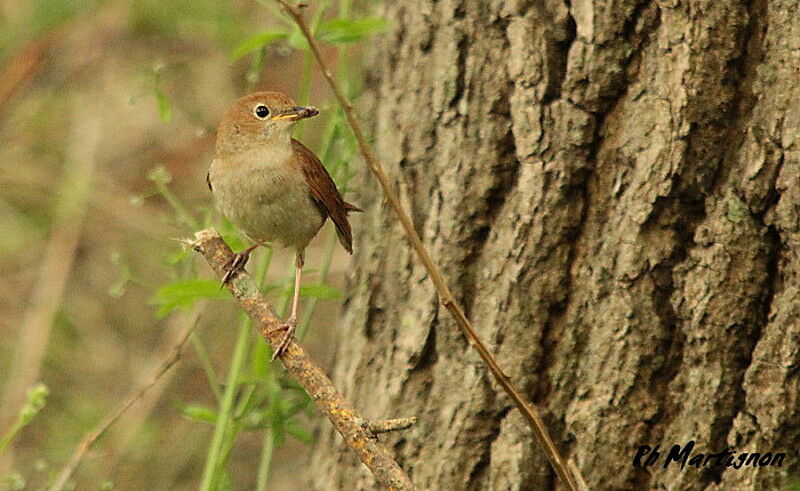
{"x":91,"y":438}
{"x":22,"y":67}
{"x":446,"y":297}
{"x":307,"y":373}
{"x":576,"y":473}
{"x":137,"y":415}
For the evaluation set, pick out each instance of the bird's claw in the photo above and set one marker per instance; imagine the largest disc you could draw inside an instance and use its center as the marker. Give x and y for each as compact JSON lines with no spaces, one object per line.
{"x":289,"y":326}
{"x":236,"y":265}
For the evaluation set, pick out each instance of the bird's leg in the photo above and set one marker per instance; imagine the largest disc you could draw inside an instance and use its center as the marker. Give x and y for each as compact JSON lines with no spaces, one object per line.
{"x":237,"y":263}
{"x":291,"y":323}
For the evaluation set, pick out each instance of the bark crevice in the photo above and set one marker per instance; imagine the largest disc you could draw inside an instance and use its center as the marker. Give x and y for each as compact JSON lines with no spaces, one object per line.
{"x":610,"y":188}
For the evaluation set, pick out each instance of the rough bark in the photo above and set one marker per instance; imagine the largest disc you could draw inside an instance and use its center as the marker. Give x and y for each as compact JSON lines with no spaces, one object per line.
{"x":611,"y":189}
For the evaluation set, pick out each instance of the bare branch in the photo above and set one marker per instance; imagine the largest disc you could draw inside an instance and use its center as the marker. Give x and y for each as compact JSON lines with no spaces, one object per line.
{"x":310,"y":376}
{"x":527,"y":409}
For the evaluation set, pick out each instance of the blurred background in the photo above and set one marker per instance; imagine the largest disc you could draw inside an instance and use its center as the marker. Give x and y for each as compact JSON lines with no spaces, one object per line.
{"x":108,"y":112}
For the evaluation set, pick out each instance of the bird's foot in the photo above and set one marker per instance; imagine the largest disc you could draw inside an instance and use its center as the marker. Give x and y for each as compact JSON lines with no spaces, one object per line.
{"x":289,"y":326}
{"x":235,"y":265}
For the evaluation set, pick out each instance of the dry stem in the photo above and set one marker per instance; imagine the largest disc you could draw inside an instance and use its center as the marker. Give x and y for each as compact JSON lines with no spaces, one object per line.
{"x":91,"y":438}
{"x":22,"y":67}
{"x":56,"y":263}
{"x":528,"y":410}
{"x":325,"y":396}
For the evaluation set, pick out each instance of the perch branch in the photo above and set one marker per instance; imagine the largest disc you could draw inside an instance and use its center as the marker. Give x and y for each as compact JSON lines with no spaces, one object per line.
{"x":527,"y":409}
{"x":325,"y":396}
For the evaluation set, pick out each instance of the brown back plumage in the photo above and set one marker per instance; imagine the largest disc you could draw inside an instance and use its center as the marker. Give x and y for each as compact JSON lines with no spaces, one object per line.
{"x":325,"y":194}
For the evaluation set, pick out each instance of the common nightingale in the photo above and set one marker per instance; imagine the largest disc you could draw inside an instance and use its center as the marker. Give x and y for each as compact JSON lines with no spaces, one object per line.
{"x":271,"y":186}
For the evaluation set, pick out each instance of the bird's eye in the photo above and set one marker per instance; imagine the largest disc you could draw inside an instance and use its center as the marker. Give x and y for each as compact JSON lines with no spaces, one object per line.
{"x":261,"y":111}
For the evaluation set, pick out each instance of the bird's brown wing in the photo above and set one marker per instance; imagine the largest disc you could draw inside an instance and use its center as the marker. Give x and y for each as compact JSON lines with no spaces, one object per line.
{"x":324,"y":193}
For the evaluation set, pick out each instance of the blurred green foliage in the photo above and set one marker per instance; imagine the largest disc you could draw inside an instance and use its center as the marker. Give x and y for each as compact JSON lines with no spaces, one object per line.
{"x":37,"y":395}
{"x":178,"y":64}
{"x":350,"y":30}
{"x":257,"y":42}
{"x":202,"y":20}
{"x":183,"y":294}
{"x":47,"y":15}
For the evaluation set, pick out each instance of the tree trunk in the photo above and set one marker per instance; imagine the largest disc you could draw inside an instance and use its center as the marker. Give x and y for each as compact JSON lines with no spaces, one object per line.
{"x":611,"y":189}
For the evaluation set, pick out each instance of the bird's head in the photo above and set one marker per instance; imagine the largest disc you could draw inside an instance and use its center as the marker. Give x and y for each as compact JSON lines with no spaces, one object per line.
{"x":261,"y":118}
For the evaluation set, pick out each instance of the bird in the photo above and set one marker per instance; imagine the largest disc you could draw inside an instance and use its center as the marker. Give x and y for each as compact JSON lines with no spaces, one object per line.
{"x":272,"y":187}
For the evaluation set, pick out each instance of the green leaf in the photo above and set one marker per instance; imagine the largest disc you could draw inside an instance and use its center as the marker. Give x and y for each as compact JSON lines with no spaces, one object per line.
{"x":257,"y":42}
{"x":183,"y":294}
{"x":117,"y":289}
{"x":260,"y":361}
{"x":296,"y":431}
{"x":196,"y":412}
{"x":37,"y":397}
{"x":322,"y":292}
{"x":297,"y":40}
{"x":299,"y":404}
{"x":160,"y":175}
{"x":164,"y":107}
{"x":350,"y":31}
{"x":278,"y":433}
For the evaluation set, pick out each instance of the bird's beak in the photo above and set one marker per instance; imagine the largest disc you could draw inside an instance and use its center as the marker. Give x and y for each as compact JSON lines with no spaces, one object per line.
{"x":296,"y":113}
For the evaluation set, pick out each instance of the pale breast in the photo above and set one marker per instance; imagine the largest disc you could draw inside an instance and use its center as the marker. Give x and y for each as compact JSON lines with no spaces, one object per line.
{"x":266,"y":200}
